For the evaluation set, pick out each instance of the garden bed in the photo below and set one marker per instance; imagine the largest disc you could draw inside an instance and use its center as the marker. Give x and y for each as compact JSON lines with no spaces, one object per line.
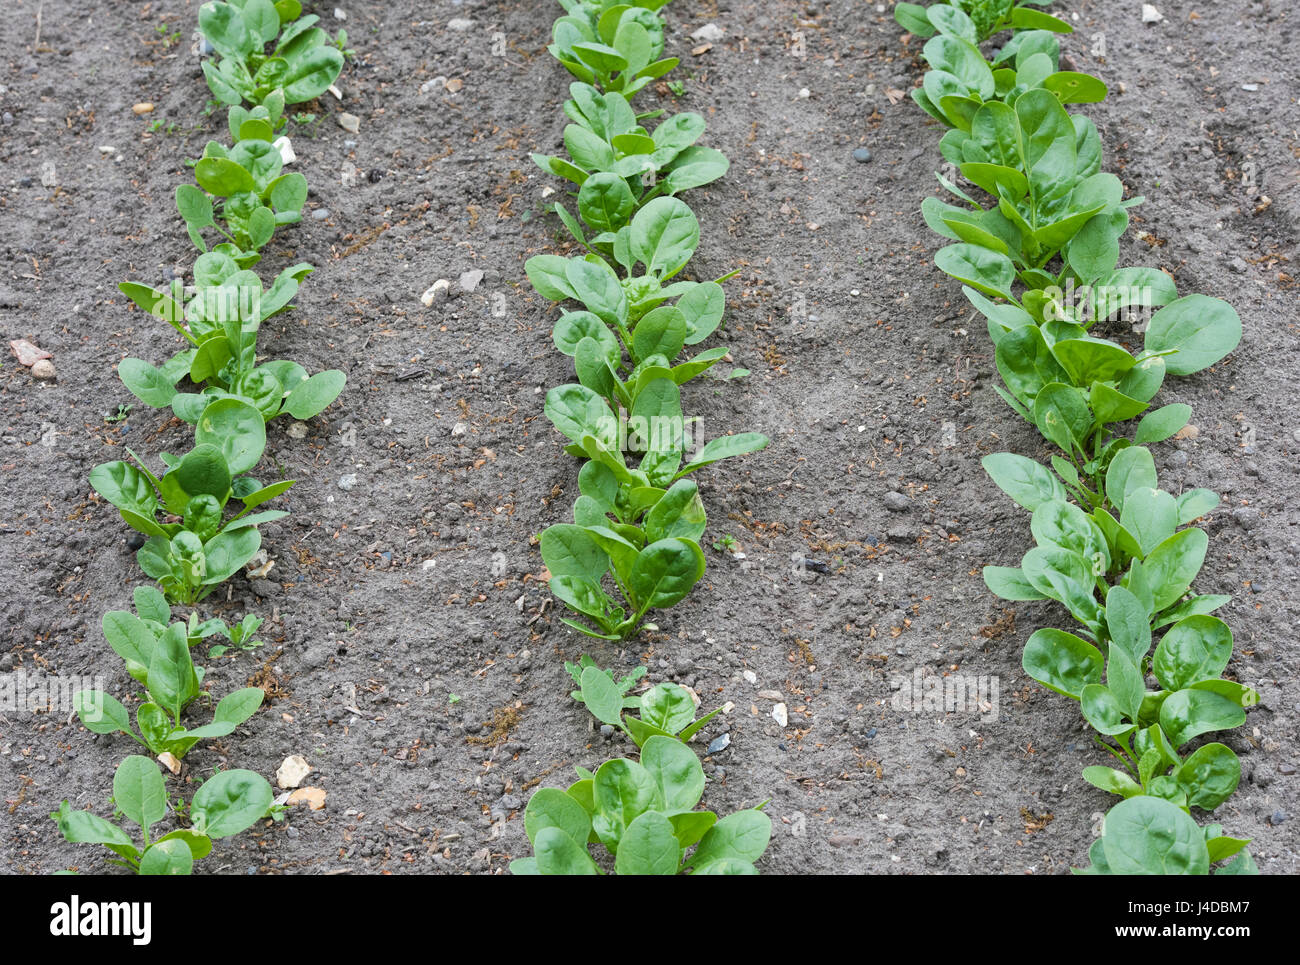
{"x":410,"y":652}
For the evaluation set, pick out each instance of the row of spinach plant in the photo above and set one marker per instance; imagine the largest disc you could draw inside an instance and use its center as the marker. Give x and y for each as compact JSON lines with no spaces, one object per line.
{"x":635,"y":526}
{"x":1036,"y":244}
{"x":199,"y":514}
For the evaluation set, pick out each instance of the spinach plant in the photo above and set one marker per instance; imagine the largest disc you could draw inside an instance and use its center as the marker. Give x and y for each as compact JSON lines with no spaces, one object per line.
{"x":977,"y":20}
{"x":1153,"y":564}
{"x":152,"y":609}
{"x":301,"y":66}
{"x":1150,"y":836}
{"x":239,"y":636}
{"x":622,"y":686}
{"x":636,"y":525}
{"x":613,"y":45}
{"x":644,"y":814}
{"x":1112,"y":547}
{"x":666,"y":710}
{"x":642,"y":524}
{"x":159,"y":658}
{"x":619,"y":166}
{"x":961,"y":81}
{"x":191,"y":557}
{"x":220,"y":322}
{"x":228,"y":803}
{"x":242,"y":192}
{"x":642,"y":536}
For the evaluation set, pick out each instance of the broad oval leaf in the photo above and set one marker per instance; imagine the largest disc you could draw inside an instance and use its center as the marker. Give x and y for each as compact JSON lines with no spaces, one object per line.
{"x":230,"y":802}
{"x":1149,"y":836}
{"x":1062,"y":662}
{"x":1198,"y":330}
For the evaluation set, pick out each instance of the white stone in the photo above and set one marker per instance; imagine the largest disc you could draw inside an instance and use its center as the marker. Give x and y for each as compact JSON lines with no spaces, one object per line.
{"x":285,"y":147}
{"x":1150,"y":14}
{"x":460,"y":24}
{"x":779,"y":715}
{"x":710,"y":32}
{"x":292,"y":772}
{"x":435,"y":292}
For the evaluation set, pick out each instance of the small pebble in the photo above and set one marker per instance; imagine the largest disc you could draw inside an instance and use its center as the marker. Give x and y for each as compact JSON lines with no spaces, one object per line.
{"x":896,"y":502}
{"x":436,"y":292}
{"x":719,"y":743}
{"x":862,"y":155}
{"x":349,"y":122}
{"x":320,"y":214}
{"x":43,"y":370}
{"x":285,"y":147}
{"x":346,"y":482}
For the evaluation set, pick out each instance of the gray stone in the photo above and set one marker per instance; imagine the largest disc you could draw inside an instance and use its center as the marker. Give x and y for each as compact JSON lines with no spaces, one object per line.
{"x":896,"y":502}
